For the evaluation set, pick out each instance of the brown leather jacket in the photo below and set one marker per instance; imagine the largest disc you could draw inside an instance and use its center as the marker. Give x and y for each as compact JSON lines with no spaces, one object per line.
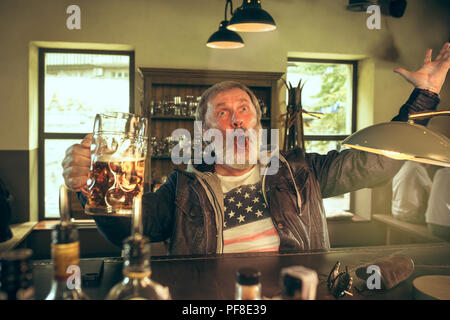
{"x":187,"y":210}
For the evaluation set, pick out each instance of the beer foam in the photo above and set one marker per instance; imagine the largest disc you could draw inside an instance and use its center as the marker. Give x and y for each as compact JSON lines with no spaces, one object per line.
{"x":116,"y":158}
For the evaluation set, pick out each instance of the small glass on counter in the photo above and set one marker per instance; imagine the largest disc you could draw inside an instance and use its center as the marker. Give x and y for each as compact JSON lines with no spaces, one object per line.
{"x":298,"y":283}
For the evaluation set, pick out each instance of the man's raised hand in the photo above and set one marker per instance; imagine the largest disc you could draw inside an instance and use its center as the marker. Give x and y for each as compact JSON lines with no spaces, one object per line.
{"x":431,"y":75}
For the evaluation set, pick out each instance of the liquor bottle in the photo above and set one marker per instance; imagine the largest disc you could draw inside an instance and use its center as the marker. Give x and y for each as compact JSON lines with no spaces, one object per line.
{"x":248,"y":285}
{"x":137,"y":283}
{"x":65,"y":248}
{"x":16,"y":276}
{"x":298,"y":283}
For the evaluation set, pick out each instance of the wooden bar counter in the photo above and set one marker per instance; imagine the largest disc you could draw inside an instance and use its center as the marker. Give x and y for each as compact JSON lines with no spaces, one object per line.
{"x":213,"y":277}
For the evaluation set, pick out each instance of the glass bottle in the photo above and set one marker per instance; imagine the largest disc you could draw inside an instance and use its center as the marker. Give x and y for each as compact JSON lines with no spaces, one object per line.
{"x":65,"y":247}
{"x":171,"y":107}
{"x":248,"y":285}
{"x":152,"y":107}
{"x":187,"y":105}
{"x":16,"y":276}
{"x":177,"y":105}
{"x":136,"y":283}
{"x":158,"y":108}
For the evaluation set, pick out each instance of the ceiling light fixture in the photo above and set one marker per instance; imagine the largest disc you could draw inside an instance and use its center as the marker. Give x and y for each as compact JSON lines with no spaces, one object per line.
{"x":250,"y":17}
{"x":359,"y":5}
{"x":224,"y":38}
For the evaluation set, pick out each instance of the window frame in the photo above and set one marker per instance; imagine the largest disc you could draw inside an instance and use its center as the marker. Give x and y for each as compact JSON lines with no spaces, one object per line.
{"x":354,"y":64}
{"x":43,"y":136}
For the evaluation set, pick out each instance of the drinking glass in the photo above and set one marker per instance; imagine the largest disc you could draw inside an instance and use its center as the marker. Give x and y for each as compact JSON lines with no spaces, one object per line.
{"x":118,"y":153}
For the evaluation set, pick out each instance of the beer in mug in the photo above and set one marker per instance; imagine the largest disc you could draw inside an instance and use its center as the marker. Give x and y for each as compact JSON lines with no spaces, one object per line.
{"x":117,"y":168}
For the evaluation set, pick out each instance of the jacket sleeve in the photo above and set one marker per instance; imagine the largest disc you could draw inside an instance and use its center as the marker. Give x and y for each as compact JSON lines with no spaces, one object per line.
{"x":419,"y":100}
{"x":159,"y":210}
{"x":350,"y":170}
{"x":157,"y":216}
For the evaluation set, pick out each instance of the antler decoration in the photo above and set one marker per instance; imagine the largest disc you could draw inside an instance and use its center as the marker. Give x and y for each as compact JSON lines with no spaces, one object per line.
{"x":293,"y":130}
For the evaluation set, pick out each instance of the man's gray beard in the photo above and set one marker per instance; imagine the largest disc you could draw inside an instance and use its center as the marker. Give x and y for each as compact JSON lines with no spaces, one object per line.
{"x":240,"y":167}
{"x":248,"y":161}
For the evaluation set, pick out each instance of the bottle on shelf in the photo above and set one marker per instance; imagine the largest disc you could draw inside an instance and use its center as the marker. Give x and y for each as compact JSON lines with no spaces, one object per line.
{"x":177,"y":105}
{"x":65,"y":248}
{"x":151,"y":108}
{"x":171,"y":107}
{"x":248,"y":284}
{"x":188,"y":104}
{"x":16,"y":276}
{"x":264,"y":109}
{"x":137,"y":283}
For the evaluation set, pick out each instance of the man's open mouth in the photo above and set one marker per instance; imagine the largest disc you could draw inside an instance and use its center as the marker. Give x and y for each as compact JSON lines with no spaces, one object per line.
{"x":241,"y":143}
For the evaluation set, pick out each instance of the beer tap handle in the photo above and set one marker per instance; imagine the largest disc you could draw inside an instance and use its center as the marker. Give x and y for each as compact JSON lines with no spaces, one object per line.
{"x":64,"y":210}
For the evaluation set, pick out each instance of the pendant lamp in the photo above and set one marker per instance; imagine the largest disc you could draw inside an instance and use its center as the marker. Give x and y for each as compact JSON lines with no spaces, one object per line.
{"x":359,"y":5}
{"x":224,"y":38}
{"x":250,"y":17}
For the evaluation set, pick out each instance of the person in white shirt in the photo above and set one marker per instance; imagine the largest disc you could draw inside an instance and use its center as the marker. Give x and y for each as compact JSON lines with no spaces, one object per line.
{"x":411,"y":186}
{"x":410,"y":191}
{"x":437,"y":214}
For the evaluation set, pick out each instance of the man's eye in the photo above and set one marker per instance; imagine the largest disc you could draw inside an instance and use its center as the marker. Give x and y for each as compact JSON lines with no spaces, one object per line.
{"x":244,"y":108}
{"x":221,"y":113}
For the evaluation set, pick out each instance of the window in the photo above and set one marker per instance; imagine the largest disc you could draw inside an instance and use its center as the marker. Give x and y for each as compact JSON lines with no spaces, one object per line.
{"x":330,"y":88}
{"x":75,"y":85}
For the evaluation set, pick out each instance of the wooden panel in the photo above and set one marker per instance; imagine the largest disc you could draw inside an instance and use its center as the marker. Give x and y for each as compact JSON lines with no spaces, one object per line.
{"x":209,"y":77}
{"x":164,"y":84}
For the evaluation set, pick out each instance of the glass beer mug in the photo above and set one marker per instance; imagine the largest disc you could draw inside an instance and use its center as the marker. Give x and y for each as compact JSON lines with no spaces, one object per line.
{"x":118,"y":152}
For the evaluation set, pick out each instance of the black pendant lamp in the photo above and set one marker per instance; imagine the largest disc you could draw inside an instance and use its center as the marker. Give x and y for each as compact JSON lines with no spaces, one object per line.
{"x":224,"y":38}
{"x":250,"y":17}
{"x":359,"y":5}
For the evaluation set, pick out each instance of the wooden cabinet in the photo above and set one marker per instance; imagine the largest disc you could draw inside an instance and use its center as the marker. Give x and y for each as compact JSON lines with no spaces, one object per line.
{"x":171,"y":85}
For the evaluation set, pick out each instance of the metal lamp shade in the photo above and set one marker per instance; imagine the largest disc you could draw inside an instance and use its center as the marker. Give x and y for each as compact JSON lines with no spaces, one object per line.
{"x":250,"y":17}
{"x":359,"y":5}
{"x":402,"y":141}
{"x":224,"y":38}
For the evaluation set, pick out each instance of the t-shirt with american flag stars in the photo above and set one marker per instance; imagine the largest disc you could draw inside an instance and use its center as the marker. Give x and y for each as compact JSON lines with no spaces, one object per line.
{"x":248,"y":226}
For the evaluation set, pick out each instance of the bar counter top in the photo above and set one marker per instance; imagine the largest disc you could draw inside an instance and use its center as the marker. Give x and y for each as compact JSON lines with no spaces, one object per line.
{"x":213,"y":277}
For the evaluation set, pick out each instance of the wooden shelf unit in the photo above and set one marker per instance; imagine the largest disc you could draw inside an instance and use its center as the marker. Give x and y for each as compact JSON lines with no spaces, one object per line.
{"x":162,"y":83}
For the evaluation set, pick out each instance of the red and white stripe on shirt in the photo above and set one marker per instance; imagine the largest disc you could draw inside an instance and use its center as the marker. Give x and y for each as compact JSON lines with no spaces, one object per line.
{"x":248,"y":226}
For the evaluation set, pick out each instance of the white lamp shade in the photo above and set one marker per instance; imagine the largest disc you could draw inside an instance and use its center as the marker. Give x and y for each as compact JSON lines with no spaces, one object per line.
{"x":403,"y":141}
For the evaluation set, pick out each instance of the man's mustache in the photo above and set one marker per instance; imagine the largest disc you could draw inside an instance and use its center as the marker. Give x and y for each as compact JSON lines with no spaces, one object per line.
{"x":240,"y":137}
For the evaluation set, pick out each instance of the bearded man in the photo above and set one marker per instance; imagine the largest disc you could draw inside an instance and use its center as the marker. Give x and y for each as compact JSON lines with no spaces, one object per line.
{"x":231,"y":206}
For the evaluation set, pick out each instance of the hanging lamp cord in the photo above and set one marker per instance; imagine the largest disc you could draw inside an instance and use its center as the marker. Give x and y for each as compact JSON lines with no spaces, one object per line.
{"x":226,"y":7}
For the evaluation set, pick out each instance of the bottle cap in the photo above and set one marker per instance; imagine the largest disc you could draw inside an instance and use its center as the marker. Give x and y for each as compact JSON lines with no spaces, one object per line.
{"x":248,"y":276}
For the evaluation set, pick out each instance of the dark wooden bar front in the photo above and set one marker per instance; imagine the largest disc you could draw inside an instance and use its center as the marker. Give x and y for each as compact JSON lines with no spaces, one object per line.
{"x":213,"y":277}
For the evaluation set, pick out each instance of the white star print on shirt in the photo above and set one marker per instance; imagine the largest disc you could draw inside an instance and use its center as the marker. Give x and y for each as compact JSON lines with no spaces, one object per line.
{"x":248,"y":226}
